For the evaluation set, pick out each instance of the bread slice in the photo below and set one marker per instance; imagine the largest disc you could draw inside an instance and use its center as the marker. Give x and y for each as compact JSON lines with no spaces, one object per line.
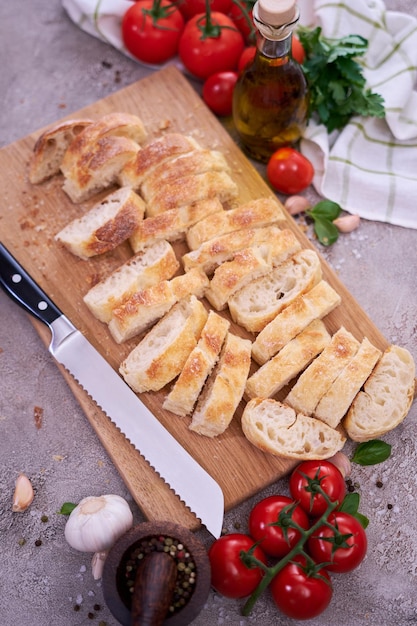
{"x":248,"y":264}
{"x":200,"y":363}
{"x":216,"y":251}
{"x":289,"y":362}
{"x":105,"y":226}
{"x":315,"y":304}
{"x":189,"y":164}
{"x":316,"y":380}
{"x":223,"y":391}
{"x":193,"y":188}
{"x":50,"y":148}
{"x":255,"y":305}
{"x":386,"y":399}
{"x":149,"y":267}
{"x":172,"y":225}
{"x":336,"y":401}
{"x":155,"y":153}
{"x":147,"y":306}
{"x":162,"y":353}
{"x":97,"y":167}
{"x":276,"y":428}
{"x":253,"y":214}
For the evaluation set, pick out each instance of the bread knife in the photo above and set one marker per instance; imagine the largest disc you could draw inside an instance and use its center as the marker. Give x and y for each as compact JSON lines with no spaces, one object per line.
{"x":194,"y":486}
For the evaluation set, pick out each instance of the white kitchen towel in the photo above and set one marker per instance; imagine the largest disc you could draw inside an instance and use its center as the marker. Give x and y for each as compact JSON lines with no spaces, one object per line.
{"x":370,"y":167}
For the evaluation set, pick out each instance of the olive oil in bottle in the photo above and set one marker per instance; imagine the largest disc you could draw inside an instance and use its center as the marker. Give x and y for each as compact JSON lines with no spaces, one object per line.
{"x":270,"y":98}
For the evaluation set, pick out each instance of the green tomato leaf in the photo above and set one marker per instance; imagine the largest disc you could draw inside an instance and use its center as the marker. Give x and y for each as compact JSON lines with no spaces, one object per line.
{"x":371,"y":452}
{"x":67,"y":508}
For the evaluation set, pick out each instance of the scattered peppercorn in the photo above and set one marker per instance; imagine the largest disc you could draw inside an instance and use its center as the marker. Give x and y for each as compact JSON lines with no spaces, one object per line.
{"x":38,"y":542}
{"x":389,"y":506}
{"x":379,"y":484}
{"x":44,"y":518}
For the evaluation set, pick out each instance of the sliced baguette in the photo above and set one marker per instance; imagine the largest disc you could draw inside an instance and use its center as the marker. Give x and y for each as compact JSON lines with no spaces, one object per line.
{"x":193,"y":188}
{"x":200,"y":363}
{"x":105,"y":226}
{"x":154,"y":154}
{"x":336,"y":401}
{"x":172,"y":225}
{"x":289,"y":362}
{"x":147,"y":306}
{"x":316,"y":380}
{"x":162,"y":353}
{"x":276,"y":428}
{"x":386,"y":399}
{"x":149,"y":267}
{"x":259,"y":302}
{"x":224,"y":389}
{"x":256,"y":213}
{"x":249,"y":264}
{"x":314,"y":304}
{"x":50,"y":148}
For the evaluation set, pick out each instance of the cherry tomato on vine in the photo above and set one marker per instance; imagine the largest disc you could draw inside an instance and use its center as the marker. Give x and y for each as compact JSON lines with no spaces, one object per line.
{"x":189,"y":8}
{"x":327,"y":475}
{"x":210,"y":45}
{"x":246,"y":57}
{"x":298,"y":594}
{"x":229,"y":575}
{"x":151,"y":30}
{"x":274,"y":541}
{"x":344,"y":546}
{"x":218,"y":92}
{"x":289,"y":171}
{"x":297,"y":50}
{"x":241,"y":14}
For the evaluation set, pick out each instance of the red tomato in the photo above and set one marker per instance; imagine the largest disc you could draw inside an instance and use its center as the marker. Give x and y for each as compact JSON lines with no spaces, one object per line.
{"x":327,"y":475}
{"x":289,"y":171}
{"x":273,"y":540}
{"x":218,"y":92}
{"x":246,"y":57}
{"x":152,"y":33}
{"x":297,"y":50}
{"x":241,"y":14}
{"x":207,"y":48}
{"x":229,"y":575}
{"x":298,"y":594}
{"x":344,"y":546}
{"x":189,"y":8}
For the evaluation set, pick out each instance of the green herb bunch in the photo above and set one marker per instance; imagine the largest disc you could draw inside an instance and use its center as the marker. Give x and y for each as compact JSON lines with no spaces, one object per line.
{"x":335,"y":79}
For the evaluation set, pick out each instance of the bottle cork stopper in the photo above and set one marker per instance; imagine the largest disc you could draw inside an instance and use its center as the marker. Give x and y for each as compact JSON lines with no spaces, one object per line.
{"x":277,"y":12}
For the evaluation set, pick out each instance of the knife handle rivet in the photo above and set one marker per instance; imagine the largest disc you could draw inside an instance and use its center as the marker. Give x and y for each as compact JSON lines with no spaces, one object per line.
{"x":42,"y":305}
{"x":16,"y":278}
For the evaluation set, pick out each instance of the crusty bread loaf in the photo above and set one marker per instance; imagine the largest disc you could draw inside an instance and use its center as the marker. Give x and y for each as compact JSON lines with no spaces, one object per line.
{"x":200,"y":363}
{"x":255,"y":305}
{"x":149,"y":267}
{"x":216,"y":251}
{"x":147,"y":306}
{"x":386,"y":399}
{"x":289,"y":361}
{"x":337,"y":400}
{"x":162,"y":353}
{"x":276,"y":428}
{"x":191,"y":163}
{"x":153,"y":154}
{"x":50,"y":148}
{"x":173,"y":224}
{"x":105,"y":226}
{"x":224,"y":389}
{"x":256,"y":213}
{"x":314,"y":304}
{"x":193,"y":188}
{"x":248,"y":264}
{"x":316,"y":380}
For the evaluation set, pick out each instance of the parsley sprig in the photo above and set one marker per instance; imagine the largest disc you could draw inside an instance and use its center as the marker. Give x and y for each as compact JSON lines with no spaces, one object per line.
{"x":335,"y":78}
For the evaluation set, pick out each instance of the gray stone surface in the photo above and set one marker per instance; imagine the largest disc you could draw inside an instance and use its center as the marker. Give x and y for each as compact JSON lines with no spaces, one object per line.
{"x":52,"y":68}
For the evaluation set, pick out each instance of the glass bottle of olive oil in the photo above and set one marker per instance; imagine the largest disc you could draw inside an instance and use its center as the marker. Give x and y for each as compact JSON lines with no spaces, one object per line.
{"x":270,"y":98}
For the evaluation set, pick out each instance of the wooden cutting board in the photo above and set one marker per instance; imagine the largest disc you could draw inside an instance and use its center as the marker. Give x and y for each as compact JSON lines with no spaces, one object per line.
{"x":30,"y":216}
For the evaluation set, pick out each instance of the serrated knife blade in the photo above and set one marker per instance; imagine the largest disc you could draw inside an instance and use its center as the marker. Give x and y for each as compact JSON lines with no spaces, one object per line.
{"x":198,"y":490}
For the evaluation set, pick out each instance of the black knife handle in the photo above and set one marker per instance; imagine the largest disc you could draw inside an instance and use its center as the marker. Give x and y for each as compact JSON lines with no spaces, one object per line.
{"x":21,"y":287}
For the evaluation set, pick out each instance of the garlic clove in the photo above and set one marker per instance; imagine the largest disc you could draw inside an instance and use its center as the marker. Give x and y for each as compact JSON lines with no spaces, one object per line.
{"x":347,"y":223}
{"x":97,"y":564}
{"x":343,"y":464}
{"x":23,"y":494}
{"x":297,"y":204}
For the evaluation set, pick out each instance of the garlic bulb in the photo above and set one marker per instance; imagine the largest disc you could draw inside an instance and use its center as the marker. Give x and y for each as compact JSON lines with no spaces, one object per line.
{"x":97,"y":522}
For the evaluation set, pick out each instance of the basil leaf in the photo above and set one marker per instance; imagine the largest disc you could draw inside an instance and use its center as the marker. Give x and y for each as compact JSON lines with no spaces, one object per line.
{"x":371,"y":452}
{"x":67,"y":508}
{"x":327,"y":233}
{"x":362,"y":519}
{"x":350,"y":503}
{"x":325,"y":209}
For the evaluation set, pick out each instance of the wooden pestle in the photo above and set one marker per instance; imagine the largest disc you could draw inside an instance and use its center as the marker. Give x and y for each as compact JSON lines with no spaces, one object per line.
{"x":153,"y":590}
